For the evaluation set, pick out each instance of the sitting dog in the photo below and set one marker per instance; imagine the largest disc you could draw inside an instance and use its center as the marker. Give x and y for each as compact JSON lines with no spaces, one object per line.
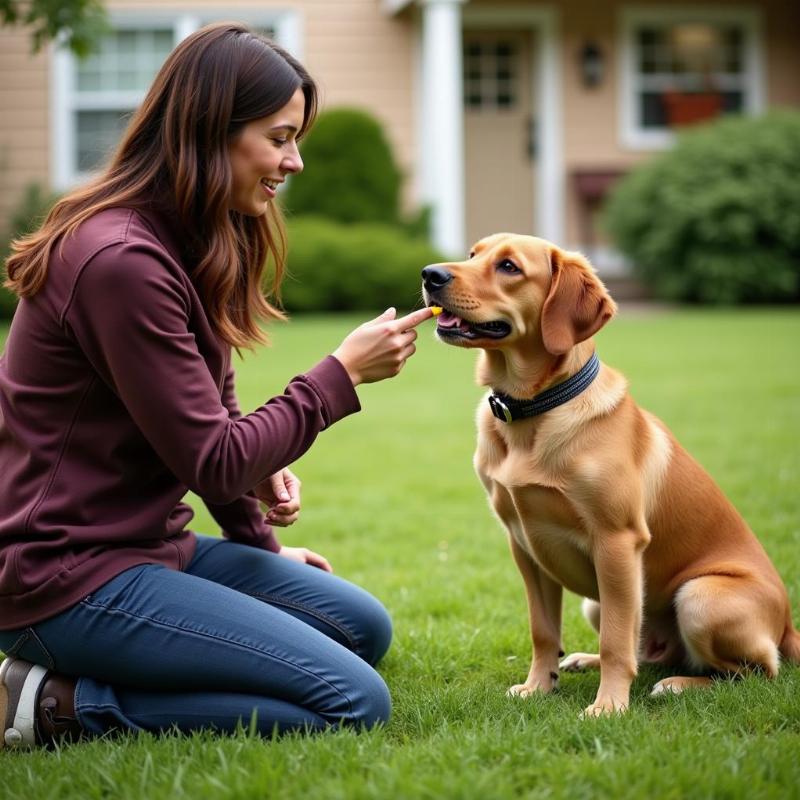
{"x":596,"y":494}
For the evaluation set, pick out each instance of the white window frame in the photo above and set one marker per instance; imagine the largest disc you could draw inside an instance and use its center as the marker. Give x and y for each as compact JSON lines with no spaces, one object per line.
{"x":633,"y":135}
{"x":66,"y":101}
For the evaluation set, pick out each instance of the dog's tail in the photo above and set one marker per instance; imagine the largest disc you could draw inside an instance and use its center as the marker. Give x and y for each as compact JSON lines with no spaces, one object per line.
{"x":790,"y":644}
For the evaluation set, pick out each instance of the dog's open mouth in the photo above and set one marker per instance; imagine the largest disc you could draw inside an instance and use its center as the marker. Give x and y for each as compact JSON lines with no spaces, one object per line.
{"x":449,"y":324}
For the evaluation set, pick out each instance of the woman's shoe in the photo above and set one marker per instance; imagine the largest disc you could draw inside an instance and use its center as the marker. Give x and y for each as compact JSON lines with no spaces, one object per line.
{"x":20,"y":682}
{"x":37,"y":707}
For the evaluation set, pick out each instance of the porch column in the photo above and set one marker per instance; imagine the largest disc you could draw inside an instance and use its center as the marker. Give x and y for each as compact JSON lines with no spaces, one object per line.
{"x":442,"y":124}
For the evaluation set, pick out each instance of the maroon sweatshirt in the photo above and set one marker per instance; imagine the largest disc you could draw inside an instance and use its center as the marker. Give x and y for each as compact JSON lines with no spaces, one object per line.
{"x":116,"y":396}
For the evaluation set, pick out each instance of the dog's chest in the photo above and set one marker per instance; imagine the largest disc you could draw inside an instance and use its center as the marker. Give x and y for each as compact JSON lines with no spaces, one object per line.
{"x":544,"y":524}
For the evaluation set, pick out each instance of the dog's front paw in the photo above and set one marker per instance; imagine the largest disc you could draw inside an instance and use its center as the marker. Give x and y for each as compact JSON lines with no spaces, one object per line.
{"x":534,"y":687}
{"x":576,"y":662}
{"x":604,"y":707}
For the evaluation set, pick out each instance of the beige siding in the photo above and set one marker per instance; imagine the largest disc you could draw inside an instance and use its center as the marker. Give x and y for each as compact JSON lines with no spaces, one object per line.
{"x":363,"y":58}
{"x":24,"y":118}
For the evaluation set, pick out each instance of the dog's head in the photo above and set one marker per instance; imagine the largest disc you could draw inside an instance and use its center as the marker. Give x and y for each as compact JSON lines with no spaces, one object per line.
{"x":516,"y":288}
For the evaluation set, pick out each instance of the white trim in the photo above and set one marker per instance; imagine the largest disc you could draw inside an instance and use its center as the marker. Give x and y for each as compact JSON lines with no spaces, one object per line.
{"x":392,"y":7}
{"x":185,"y":26}
{"x":549,"y":181}
{"x":442,"y":154}
{"x":61,"y":128}
{"x":750,"y":19}
{"x":65,"y":100}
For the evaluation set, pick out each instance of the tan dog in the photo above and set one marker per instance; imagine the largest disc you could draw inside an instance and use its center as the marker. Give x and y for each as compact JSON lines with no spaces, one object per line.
{"x":596,"y":494}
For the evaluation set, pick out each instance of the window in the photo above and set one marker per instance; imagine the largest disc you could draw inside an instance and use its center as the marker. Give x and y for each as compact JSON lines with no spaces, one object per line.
{"x":491,"y":72}
{"x":686,"y":66}
{"x":93,"y":99}
{"x":108,"y":87}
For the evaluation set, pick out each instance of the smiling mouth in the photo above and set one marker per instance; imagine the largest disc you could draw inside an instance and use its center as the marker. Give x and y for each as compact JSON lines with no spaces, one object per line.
{"x":451,"y":326}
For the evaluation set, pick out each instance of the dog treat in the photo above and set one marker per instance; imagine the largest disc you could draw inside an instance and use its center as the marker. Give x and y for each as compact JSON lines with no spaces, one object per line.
{"x":436,"y":310}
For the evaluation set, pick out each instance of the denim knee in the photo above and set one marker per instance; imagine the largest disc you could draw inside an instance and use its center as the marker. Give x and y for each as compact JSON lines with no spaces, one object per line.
{"x":374,"y":706}
{"x":375,"y":631}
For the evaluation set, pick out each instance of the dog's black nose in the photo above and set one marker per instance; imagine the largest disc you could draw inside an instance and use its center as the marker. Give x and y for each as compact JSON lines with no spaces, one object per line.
{"x":435,"y":277}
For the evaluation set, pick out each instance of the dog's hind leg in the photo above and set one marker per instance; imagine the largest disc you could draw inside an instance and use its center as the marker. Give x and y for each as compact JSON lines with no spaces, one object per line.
{"x":576,"y":662}
{"x":591,"y":610}
{"x":729,"y":625}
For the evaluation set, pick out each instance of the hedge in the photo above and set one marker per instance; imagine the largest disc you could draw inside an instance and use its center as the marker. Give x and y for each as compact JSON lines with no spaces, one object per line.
{"x":25,"y":218}
{"x":717,"y":218}
{"x":336,"y":267}
{"x":350,"y":174}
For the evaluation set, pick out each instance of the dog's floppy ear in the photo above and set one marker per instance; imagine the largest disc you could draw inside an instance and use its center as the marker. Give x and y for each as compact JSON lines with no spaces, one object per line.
{"x":577,"y":305}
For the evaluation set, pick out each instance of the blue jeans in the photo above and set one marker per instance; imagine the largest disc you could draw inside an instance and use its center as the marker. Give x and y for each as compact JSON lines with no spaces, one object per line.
{"x":241,"y":634}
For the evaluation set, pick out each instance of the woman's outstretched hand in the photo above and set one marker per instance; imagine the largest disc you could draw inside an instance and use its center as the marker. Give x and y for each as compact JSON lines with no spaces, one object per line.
{"x":281,"y":494}
{"x":379,"y":349}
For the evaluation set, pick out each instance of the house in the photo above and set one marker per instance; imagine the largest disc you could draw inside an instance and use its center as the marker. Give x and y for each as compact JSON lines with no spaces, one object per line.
{"x":504,"y":115}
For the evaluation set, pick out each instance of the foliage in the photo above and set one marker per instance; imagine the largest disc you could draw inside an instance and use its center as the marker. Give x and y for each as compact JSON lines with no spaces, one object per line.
{"x":350,"y":174}
{"x":81,"y":22}
{"x":717,"y":218}
{"x":25,"y":218}
{"x":367,"y":266}
{"x":390,"y":497}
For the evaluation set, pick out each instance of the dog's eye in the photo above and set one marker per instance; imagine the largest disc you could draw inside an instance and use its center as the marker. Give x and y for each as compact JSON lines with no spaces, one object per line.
{"x":509,"y":267}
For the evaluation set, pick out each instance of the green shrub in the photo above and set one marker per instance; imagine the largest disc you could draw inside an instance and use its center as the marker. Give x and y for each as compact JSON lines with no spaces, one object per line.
{"x":717,"y":218}
{"x":335,"y":267}
{"x":350,"y":174}
{"x":25,"y":218}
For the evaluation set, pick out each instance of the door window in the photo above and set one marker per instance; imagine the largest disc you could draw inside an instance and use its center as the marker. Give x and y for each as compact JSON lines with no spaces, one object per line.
{"x":491,"y":75}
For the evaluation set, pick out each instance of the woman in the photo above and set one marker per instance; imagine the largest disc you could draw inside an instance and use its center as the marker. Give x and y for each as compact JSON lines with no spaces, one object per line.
{"x":116,"y":395}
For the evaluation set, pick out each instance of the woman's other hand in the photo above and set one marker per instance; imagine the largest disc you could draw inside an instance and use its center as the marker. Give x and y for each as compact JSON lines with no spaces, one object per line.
{"x":306,"y":556}
{"x":281,"y":494}
{"x":379,"y":349}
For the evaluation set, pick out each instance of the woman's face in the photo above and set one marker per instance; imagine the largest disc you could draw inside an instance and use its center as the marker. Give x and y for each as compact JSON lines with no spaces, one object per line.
{"x":263,"y":154}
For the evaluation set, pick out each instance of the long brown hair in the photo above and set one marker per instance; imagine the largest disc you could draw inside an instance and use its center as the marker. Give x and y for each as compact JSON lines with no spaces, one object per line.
{"x":174,"y":156}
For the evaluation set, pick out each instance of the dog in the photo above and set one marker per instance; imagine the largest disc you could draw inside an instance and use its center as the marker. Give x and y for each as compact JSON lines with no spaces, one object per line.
{"x":597,"y":496}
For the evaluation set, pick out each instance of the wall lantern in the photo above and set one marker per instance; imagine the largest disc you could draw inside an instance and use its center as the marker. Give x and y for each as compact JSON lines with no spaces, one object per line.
{"x":592,"y":65}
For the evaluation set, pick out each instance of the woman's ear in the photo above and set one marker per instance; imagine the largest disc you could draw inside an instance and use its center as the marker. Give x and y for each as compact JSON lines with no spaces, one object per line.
{"x":577,"y":305}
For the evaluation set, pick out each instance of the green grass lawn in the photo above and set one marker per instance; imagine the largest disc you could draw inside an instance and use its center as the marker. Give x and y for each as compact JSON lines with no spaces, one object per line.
{"x":390,"y":498}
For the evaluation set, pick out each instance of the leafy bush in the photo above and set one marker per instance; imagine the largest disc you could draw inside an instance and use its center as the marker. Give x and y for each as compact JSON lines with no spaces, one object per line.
{"x":25,"y":218}
{"x":717,"y":218}
{"x":335,"y":267}
{"x":350,"y":175}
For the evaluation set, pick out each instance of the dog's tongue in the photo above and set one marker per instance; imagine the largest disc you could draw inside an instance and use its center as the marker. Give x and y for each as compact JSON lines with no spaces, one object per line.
{"x":448,"y":320}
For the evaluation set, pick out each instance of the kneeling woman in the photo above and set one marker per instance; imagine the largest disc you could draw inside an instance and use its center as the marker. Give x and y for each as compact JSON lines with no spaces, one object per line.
{"x":117,"y":395}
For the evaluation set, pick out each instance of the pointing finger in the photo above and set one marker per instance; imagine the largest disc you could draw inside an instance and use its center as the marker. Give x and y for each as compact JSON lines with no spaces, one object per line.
{"x":413,"y":319}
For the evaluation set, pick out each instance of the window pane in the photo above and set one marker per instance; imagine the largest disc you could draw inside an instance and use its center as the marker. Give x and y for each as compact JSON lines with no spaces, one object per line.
{"x":473,"y":49}
{"x":734,"y":50}
{"x":97,"y":134}
{"x":267,"y":31}
{"x":127,"y":60}
{"x":652,"y":111}
{"x":733,"y":102}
